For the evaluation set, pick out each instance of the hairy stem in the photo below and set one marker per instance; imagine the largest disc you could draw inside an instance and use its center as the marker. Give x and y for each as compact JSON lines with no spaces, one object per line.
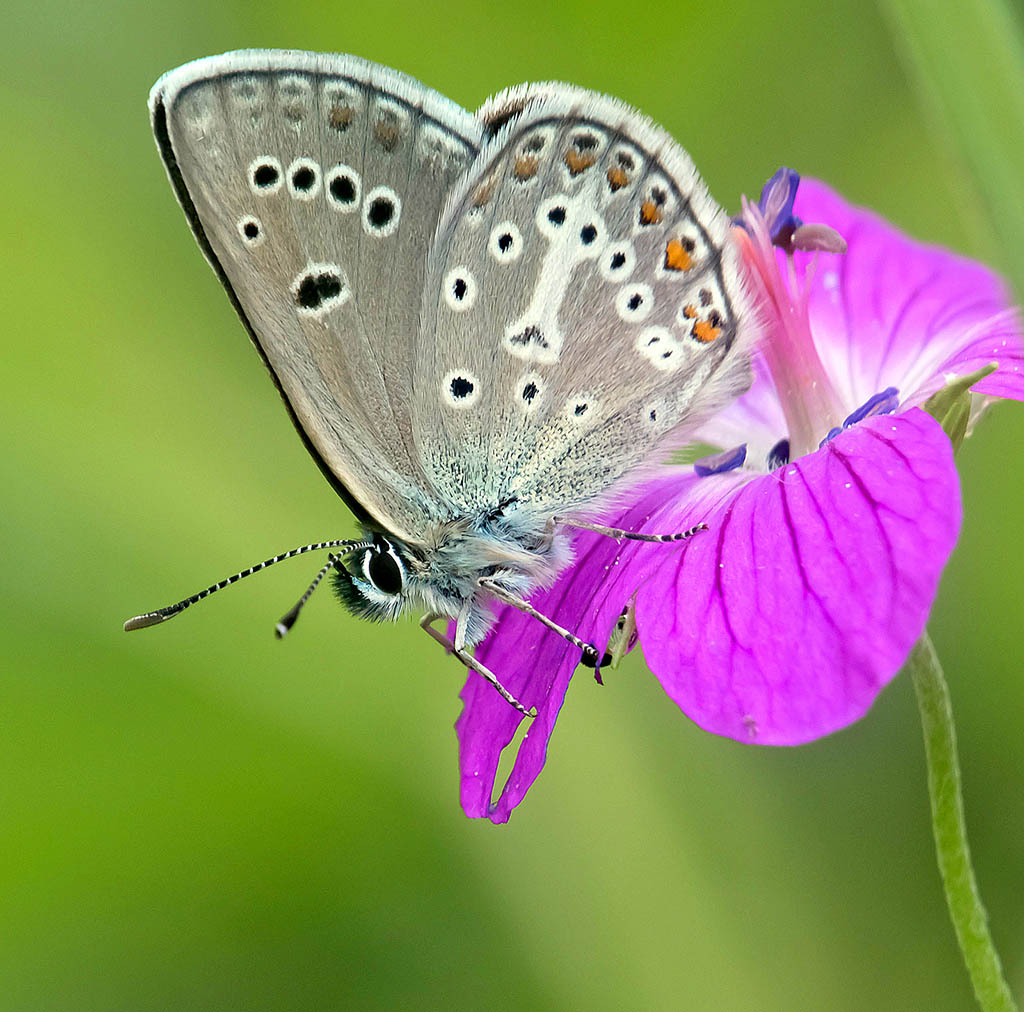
{"x":965,"y":906}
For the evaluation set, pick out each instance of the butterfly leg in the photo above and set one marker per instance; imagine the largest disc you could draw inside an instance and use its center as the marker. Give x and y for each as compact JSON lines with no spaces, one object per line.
{"x":461,"y":623}
{"x":591,"y":657}
{"x":620,"y":535}
{"x":471,"y":662}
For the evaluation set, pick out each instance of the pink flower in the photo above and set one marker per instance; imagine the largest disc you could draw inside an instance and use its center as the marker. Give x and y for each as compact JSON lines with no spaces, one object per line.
{"x":829,"y":523}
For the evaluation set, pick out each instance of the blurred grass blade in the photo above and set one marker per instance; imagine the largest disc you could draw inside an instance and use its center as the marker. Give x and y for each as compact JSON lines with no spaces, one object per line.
{"x":966,"y":60}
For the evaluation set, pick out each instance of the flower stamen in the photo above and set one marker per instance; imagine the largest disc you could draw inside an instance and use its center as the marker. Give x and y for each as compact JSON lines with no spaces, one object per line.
{"x":717,"y":463}
{"x":808,"y":400}
{"x":884,"y":403}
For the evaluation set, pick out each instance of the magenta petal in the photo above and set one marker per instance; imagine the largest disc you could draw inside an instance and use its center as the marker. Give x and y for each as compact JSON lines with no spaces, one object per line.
{"x":487,"y":723}
{"x":892,"y":311}
{"x":535,"y":665}
{"x":538,"y":676}
{"x":817,"y":580}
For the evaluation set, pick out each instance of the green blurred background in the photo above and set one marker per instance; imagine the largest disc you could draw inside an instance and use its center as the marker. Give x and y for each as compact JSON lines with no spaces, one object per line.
{"x":198,"y":817}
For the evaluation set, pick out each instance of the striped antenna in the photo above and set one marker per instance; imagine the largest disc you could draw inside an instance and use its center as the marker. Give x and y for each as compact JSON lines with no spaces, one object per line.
{"x":162,"y":614}
{"x":284,"y":626}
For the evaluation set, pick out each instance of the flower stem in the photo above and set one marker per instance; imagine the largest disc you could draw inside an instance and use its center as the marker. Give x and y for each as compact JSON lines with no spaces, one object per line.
{"x":965,"y":906}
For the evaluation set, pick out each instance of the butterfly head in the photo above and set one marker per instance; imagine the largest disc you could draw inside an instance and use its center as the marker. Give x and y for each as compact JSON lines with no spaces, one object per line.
{"x":443,"y":574}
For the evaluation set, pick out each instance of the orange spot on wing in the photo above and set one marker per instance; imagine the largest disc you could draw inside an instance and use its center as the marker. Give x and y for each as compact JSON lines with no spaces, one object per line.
{"x":690,"y":312}
{"x":340,"y":117}
{"x":526,"y":167}
{"x":485,"y":191}
{"x":703,"y":331}
{"x":650,"y":213}
{"x":676,"y":257}
{"x":578,"y":161}
{"x":387,"y":134}
{"x":617,"y":178}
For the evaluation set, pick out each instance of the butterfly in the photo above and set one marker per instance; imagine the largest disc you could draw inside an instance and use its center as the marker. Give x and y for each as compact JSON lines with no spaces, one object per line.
{"x":485,"y":327}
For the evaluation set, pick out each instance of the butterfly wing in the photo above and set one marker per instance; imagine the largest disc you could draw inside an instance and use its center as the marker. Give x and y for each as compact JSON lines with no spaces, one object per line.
{"x":582,"y":305}
{"x":314,"y":184}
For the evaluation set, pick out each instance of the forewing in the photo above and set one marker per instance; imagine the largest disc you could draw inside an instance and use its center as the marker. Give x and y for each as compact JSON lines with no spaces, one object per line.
{"x":314,"y":184}
{"x":582,"y":306}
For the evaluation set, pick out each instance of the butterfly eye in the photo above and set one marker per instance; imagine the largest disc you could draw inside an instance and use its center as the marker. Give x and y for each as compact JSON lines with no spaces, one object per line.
{"x":383,"y":570}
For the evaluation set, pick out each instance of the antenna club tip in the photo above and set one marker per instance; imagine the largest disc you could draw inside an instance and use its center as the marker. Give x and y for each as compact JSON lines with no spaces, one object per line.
{"x":281,"y":630}
{"x":142,"y":621}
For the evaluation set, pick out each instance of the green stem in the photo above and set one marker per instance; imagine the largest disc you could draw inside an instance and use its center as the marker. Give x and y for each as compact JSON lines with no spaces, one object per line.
{"x":965,"y":906}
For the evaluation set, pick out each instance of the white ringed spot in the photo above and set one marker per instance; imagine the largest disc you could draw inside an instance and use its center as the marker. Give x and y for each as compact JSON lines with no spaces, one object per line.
{"x":251,"y":230}
{"x":265,"y":175}
{"x":528,"y":392}
{"x":664,"y":412}
{"x":304,"y":180}
{"x":382,"y":210}
{"x":634,"y":302}
{"x":460,"y":389}
{"x":660,"y":348}
{"x":505,"y":243}
{"x":459,"y":289}
{"x":536,"y":141}
{"x":591,"y":234}
{"x":555,"y":216}
{"x":618,"y":261}
{"x":581,"y":409}
{"x":344,"y":188}
{"x":319,"y":288}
